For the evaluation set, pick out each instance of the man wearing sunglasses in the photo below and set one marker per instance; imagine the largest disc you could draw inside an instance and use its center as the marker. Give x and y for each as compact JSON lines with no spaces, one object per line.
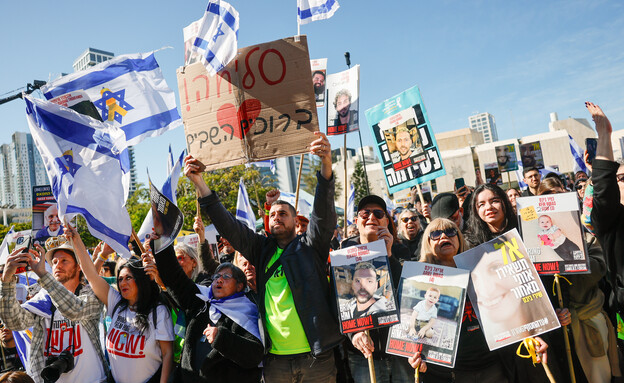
{"x":293,"y":290}
{"x":410,"y":231}
{"x":374,"y":224}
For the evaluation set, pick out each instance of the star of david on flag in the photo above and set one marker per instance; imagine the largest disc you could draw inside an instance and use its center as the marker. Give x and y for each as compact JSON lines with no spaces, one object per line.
{"x":129,"y":92}
{"x":89,"y":168}
{"x":217,"y":38}
{"x":313,"y":10}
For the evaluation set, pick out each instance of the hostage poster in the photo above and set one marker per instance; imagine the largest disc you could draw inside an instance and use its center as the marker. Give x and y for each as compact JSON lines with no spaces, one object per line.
{"x":168,"y":219}
{"x":531,"y":155}
{"x":506,"y":292}
{"x":506,"y":158}
{"x":363,"y":286}
{"x":432,"y":301}
{"x":319,"y":74}
{"x":45,"y":220}
{"x":404,"y":141}
{"x":551,"y":229}
{"x":343,"y":105}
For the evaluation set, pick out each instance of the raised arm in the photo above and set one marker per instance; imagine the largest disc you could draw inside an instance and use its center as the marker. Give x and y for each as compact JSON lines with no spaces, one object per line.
{"x":604,"y":149}
{"x":12,"y":314}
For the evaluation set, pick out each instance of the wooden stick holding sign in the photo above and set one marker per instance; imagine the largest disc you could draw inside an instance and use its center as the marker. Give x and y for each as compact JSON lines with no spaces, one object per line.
{"x":422,"y":199}
{"x":346,"y":182}
{"x":566,"y":339}
{"x":298,"y":182}
{"x":371,"y":363}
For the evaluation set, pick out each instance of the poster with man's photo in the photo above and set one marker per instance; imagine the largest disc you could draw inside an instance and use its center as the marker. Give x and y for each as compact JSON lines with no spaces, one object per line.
{"x":45,"y":219}
{"x":404,"y":141}
{"x":492,"y":175}
{"x":168,"y":219}
{"x":343,"y":105}
{"x":506,"y":158}
{"x":551,"y":229}
{"x":432,"y":301}
{"x":506,"y":291}
{"x":363,"y":286}
{"x":190,"y":33}
{"x":319,"y":77}
{"x":531,"y":155}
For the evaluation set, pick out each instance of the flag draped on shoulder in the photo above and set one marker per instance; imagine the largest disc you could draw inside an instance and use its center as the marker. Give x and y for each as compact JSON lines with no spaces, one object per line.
{"x":217,"y":38}
{"x":128,"y":91}
{"x":168,"y":189}
{"x":244,"y":212}
{"x":313,"y":10}
{"x":88,"y":165}
{"x":577,"y":154}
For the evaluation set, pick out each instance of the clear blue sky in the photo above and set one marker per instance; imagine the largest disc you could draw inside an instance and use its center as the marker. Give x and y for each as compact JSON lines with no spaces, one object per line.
{"x":517,"y":60}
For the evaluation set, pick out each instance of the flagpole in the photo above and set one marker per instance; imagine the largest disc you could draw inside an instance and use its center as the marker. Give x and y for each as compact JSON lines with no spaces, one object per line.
{"x":348,"y":59}
{"x":138,"y":241}
{"x":422,"y":200}
{"x":298,"y":182}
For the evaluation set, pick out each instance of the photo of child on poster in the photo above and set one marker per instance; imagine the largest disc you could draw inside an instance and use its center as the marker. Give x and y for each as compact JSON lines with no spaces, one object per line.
{"x":343,"y":103}
{"x":551,"y":229}
{"x":432,"y":301}
{"x":363,"y":287}
{"x":506,"y":292}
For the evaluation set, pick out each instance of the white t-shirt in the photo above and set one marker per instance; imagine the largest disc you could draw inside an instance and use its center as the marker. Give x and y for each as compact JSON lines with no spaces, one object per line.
{"x":135,"y":357}
{"x":87,"y":364}
{"x":424,"y":314}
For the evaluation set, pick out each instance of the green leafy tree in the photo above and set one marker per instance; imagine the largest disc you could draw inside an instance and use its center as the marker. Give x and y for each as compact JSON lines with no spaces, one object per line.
{"x":358,"y":179}
{"x":138,"y":205}
{"x":18,"y":227}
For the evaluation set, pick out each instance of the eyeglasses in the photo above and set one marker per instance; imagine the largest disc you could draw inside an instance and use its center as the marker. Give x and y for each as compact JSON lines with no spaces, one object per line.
{"x":619,"y":177}
{"x":580,"y":186}
{"x":54,"y":242}
{"x":413,"y":218}
{"x":436,"y":234}
{"x":225,"y":277}
{"x":365,"y":213}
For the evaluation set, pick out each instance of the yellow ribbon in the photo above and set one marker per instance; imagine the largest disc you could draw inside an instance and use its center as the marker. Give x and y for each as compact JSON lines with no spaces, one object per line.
{"x":530,"y":344}
{"x":557,"y":276}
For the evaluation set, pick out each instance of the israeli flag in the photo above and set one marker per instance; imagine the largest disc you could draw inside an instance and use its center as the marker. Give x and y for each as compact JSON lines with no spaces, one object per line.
{"x":217,"y":38}
{"x":129,"y":91}
{"x":244,"y":212}
{"x":304,"y":207}
{"x":263,"y":164}
{"x":351,"y":207}
{"x":23,"y":340}
{"x":88,"y":165}
{"x":168,"y":189}
{"x":313,"y":10}
{"x":4,"y":248}
{"x":577,"y":154}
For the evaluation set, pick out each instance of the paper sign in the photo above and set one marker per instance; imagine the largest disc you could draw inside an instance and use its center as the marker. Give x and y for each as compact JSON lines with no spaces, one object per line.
{"x":363,"y":286}
{"x":506,"y":158}
{"x":343,"y":104}
{"x":531,"y":154}
{"x":432,"y":301}
{"x":45,"y":220}
{"x":553,"y":235}
{"x":405,"y":143}
{"x":260,"y":107}
{"x":492,"y":175}
{"x":168,"y":219}
{"x":506,"y":292}
{"x":319,"y":76}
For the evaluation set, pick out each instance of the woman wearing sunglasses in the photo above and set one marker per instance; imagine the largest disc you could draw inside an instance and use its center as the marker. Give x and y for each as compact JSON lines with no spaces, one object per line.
{"x":140,"y":339}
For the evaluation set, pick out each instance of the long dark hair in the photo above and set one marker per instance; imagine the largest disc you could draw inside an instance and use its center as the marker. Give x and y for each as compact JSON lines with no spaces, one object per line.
{"x":478,"y":231}
{"x":148,"y":298}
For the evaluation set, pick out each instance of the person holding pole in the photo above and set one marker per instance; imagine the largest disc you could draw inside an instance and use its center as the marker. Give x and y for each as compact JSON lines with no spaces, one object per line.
{"x":293,"y":290}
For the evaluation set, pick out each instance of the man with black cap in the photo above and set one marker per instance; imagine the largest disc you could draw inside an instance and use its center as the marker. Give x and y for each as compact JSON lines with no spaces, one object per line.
{"x":446,"y":205}
{"x":64,"y":314}
{"x":374,"y":223}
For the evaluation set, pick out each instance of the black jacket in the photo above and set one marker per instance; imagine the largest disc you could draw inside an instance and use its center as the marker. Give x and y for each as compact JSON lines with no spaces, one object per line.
{"x":607,"y":217}
{"x":304,"y":263}
{"x":235,"y":353}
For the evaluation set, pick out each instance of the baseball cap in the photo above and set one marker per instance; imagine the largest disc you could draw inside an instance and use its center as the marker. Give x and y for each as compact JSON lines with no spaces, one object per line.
{"x":444,"y":205}
{"x":372,"y":199}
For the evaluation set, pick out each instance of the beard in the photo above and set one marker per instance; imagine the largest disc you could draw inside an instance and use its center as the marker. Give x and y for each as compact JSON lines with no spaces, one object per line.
{"x":363,"y":298}
{"x":69,"y":275}
{"x":319,"y":89}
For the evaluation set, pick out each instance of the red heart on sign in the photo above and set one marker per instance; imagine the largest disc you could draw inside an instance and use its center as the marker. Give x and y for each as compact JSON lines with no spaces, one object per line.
{"x":244,"y":117}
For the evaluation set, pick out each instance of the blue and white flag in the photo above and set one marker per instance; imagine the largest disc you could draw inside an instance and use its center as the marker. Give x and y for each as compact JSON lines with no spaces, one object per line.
{"x":244,"y":211}
{"x":88,"y":165}
{"x":578,"y":154}
{"x":129,"y":91}
{"x":168,"y":189}
{"x":217,"y":38}
{"x":543,"y":172}
{"x":4,"y":248}
{"x":263,"y":164}
{"x":313,"y":10}
{"x":351,"y":207}
{"x":23,"y":339}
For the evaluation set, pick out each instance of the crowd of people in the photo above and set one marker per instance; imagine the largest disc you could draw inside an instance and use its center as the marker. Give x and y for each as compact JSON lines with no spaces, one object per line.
{"x":263,"y":309}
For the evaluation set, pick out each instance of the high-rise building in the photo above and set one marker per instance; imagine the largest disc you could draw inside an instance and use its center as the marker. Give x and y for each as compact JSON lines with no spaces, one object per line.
{"x":22,"y":168}
{"x":287,"y":170}
{"x":91,"y":57}
{"x":484,"y":123}
{"x":133,"y":173}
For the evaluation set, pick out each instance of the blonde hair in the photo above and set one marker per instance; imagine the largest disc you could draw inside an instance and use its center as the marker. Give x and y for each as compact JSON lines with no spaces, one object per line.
{"x":426,"y":250}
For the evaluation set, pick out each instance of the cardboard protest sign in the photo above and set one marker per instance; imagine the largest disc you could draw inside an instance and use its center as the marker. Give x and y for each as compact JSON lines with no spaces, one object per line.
{"x":492,"y":175}
{"x":319,"y":76}
{"x":343,"y":102}
{"x":432,"y":301}
{"x":363,"y":286}
{"x":404,"y":141}
{"x":531,"y":155}
{"x":551,"y":229}
{"x":45,"y":220}
{"x":506,"y":292}
{"x":260,"y":107}
{"x":506,"y":158}
{"x":168,"y":219}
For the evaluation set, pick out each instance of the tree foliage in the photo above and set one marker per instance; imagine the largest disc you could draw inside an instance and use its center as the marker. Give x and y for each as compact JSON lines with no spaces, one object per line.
{"x":359,"y":181}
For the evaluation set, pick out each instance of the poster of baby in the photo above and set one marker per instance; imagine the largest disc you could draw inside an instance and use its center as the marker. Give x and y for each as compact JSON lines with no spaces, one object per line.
{"x":551,"y":229}
{"x":432,"y":301}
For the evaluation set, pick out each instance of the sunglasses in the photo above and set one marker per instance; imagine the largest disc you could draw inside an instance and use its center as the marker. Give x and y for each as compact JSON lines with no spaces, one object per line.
{"x":619,"y":177}
{"x":412,"y":218}
{"x":378,"y":213}
{"x":436,"y":234}
{"x":224,"y":276}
